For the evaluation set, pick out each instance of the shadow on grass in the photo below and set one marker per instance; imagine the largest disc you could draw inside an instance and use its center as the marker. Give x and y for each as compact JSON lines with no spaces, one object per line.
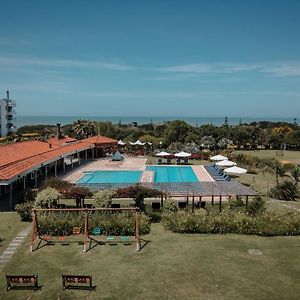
{"x":25,"y":287}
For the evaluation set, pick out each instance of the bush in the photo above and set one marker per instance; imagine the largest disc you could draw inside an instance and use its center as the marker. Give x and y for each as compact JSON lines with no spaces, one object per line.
{"x":25,"y":211}
{"x":154,"y":216}
{"x":285,"y":191}
{"x":47,"y":198}
{"x":264,"y":224}
{"x":237,"y":202}
{"x":58,"y":184}
{"x":170,"y":206}
{"x":256,"y":206}
{"x":104,"y":198}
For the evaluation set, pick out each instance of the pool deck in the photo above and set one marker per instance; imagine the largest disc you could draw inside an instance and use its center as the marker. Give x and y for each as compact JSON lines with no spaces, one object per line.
{"x":128,"y":164}
{"x":201,"y":173}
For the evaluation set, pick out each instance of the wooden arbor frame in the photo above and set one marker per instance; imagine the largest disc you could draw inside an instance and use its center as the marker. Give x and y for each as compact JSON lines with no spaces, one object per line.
{"x":134,"y":210}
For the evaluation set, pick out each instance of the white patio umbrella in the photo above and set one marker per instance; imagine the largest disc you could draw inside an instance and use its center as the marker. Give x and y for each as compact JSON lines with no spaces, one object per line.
{"x":139,"y":143}
{"x":121,"y":143}
{"x":226,"y":163}
{"x":183,"y":154}
{"x":235,"y":171}
{"x":218,"y":158}
{"x":163,"y":153}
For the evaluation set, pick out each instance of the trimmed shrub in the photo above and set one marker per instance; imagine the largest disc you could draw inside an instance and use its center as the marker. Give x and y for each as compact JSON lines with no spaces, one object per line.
{"x":104,"y":198}
{"x":237,"y":202}
{"x":112,"y":223}
{"x":25,"y":210}
{"x":170,"y":206}
{"x":47,"y":198}
{"x":264,"y":224}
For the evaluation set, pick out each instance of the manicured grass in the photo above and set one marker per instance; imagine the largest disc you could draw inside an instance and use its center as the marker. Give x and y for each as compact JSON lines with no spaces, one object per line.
{"x":171,"y":266}
{"x":10,"y":226}
{"x":262,"y":182}
{"x":291,"y":156}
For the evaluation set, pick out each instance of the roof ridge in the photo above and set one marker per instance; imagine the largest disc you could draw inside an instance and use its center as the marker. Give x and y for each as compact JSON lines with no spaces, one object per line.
{"x":32,"y":156}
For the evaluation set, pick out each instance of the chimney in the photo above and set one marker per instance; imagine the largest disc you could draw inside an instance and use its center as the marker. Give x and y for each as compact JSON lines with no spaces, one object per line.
{"x":7,"y":95}
{"x":58,"y":132}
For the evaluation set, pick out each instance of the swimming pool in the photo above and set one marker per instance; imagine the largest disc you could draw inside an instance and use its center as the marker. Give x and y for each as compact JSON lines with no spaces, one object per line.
{"x":111,"y":177}
{"x":173,"y":174}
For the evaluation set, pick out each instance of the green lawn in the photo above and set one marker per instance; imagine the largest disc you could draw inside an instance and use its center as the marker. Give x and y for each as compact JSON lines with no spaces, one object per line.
{"x":262,"y":182}
{"x":10,"y":226}
{"x":291,"y":156}
{"x":171,"y":266}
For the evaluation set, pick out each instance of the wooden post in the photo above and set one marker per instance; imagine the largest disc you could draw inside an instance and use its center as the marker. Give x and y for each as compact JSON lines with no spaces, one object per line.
{"x":78,"y":157}
{"x":10,"y":196}
{"x":46,"y":172}
{"x":55,"y":169}
{"x":220,"y":204}
{"x":85,"y":230}
{"x":200,"y":201}
{"x":72,"y":162}
{"x":137,"y":237}
{"x":33,"y":234}
{"x":35,"y":179}
{"x":187,"y":201}
{"x":86,"y":154}
{"x":212,"y":200}
{"x":24,"y":182}
{"x":64,"y":165}
{"x":247,"y":198}
{"x":193,"y":203}
{"x":93,"y":153}
{"x":162,"y":200}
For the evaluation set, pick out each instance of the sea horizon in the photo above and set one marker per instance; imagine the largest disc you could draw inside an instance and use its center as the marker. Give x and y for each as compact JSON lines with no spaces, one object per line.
{"x":195,"y":121}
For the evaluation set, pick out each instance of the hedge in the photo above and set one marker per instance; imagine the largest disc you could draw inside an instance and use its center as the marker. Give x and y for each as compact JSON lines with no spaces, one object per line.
{"x":113,"y":223}
{"x":264,"y":224}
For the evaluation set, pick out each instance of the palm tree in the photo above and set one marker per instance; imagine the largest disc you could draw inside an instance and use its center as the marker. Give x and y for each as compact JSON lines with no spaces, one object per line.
{"x":295,"y":172}
{"x":84,"y":128}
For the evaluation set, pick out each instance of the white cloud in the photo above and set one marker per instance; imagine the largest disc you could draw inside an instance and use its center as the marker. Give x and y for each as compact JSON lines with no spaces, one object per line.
{"x":37,"y":62}
{"x":278,"y":69}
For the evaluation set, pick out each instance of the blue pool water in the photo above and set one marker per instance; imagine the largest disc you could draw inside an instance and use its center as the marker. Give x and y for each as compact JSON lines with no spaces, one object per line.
{"x":173,"y":174}
{"x":111,"y":177}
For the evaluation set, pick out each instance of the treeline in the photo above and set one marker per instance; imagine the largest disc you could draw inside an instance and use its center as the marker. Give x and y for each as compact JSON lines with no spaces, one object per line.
{"x":274,"y":135}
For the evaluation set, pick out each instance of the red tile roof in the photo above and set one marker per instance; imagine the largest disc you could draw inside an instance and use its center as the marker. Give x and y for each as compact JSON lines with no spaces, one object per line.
{"x":63,"y":141}
{"x":17,"y":158}
{"x":98,"y":139}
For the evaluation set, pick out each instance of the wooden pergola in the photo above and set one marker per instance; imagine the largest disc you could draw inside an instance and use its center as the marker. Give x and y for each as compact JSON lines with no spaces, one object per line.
{"x":187,"y":190}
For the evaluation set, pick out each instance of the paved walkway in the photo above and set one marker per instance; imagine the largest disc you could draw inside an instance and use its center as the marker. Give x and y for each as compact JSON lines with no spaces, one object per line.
{"x":12,"y":247}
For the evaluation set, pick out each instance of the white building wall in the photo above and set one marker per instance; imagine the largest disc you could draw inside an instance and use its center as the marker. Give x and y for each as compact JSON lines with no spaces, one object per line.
{"x":3,"y":120}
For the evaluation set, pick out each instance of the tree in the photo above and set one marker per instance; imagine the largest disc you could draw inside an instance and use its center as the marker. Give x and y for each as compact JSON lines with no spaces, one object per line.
{"x":47,"y":198}
{"x":279,"y":171}
{"x":295,"y":172}
{"x":84,"y":128}
{"x":176,"y":132}
{"x":103,"y":199}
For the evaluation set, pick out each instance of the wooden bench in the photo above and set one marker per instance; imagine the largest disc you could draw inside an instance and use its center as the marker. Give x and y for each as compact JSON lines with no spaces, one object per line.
{"x":21,"y":281}
{"x":77,"y":282}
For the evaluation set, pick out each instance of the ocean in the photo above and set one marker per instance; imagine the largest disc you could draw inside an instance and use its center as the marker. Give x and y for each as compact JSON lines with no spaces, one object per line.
{"x":53,"y":120}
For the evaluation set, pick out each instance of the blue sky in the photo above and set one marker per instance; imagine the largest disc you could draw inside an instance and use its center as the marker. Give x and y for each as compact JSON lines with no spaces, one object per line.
{"x":151,"y":58}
